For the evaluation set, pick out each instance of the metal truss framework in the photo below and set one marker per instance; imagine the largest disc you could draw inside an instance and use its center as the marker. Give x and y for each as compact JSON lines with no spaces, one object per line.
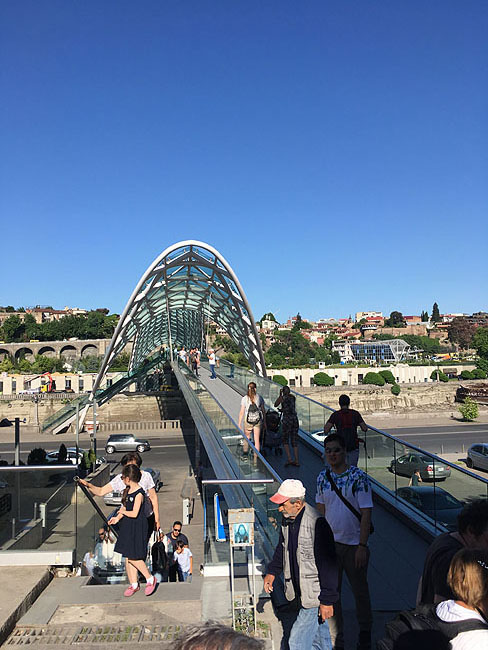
{"x":188,"y":283}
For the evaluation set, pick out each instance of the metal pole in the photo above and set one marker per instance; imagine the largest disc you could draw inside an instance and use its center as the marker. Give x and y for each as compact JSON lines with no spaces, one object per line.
{"x":95,"y":427}
{"x":17,"y":442}
{"x":17,"y":464}
{"x":77,"y":430}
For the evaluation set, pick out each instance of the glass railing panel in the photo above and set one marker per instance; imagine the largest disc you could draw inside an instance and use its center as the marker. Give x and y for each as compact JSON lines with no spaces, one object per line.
{"x":376,"y":457}
{"x":96,"y":554}
{"x":216,"y":530}
{"x":37,"y":508}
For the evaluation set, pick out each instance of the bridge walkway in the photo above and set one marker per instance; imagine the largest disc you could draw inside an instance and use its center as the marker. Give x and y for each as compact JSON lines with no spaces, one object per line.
{"x":397,"y":551}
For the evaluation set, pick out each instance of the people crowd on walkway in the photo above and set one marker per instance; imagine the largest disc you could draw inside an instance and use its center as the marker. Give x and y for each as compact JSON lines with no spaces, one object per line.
{"x":316,"y":546}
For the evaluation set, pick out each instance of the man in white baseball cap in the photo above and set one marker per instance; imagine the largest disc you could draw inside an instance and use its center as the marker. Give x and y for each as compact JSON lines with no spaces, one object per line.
{"x":305,"y":554}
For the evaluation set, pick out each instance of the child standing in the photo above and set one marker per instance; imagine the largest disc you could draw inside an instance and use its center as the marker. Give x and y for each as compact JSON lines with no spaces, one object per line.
{"x":132,"y":539}
{"x":184,"y":557}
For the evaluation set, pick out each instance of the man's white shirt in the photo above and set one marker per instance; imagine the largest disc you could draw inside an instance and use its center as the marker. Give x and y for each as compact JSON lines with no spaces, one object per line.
{"x":356,"y":488}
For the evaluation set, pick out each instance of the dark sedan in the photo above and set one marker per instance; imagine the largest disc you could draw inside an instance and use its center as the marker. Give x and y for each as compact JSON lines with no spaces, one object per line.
{"x":434,"y":502}
{"x":408,"y":464}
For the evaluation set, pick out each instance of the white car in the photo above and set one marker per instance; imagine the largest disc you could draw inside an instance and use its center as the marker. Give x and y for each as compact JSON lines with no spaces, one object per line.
{"x":115,"y":498}
{"x":52,"y":456}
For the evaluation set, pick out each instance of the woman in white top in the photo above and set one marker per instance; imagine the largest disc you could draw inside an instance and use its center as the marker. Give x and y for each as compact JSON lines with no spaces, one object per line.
{"x":253,"y":414}
{"x":468,"y":580}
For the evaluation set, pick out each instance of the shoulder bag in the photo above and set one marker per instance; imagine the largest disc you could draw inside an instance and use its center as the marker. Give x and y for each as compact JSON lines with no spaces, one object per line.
{"x":347,"y":503}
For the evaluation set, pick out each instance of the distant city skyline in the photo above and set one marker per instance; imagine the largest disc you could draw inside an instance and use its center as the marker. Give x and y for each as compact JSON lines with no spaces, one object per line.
{"x":334,"y":153}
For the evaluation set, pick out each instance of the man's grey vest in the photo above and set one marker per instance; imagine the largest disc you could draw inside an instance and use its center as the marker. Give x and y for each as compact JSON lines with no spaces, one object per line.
{"x":309,"y":577}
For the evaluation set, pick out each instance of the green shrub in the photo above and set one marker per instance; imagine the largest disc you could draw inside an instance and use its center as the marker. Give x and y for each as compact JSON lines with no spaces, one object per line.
{"x":37,"y":456}
{"x":387,"y":376}
{"x":478,"y":374}
{"x":395,"y":389}
{"x":469,"y":410}
{"x":374,"y":378}
{"x":323,"y":379}
{"x":467,"y":374}
{"x":279,"y":379}
{"x":438,"y":375}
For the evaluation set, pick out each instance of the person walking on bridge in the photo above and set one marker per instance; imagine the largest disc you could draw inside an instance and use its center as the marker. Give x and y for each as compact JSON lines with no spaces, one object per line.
{"x":253,"y":414}
{"x":306,"y":556}
{"x":345,"y":498}
{"x":289,"y":424}
{"x":211,"y":362}
{"x":346,"y":422}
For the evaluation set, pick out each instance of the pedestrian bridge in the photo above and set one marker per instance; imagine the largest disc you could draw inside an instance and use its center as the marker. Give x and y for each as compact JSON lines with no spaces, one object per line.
{"x":187,"y":286}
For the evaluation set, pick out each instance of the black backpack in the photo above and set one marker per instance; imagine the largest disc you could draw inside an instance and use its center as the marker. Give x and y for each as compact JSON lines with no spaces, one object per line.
{"x":424,"y":618}
{"x":159,"y":558}
{"x":253,"y":414}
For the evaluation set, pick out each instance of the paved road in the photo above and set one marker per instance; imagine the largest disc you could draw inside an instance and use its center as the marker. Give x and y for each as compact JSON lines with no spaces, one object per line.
{"x":455,"y":438}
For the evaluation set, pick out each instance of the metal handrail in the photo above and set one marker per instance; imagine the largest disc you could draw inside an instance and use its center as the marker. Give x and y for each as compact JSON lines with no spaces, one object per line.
{"x":28,"y":468}
{"x":226,"y":481}
{"x":99,"y":512}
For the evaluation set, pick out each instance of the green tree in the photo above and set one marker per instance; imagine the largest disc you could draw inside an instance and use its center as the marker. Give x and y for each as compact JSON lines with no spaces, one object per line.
{"x":438,"y":375}
{"x":480,"y":342}
{"x":424,"y":317}
{"x":467,"y":374}
{"x":32,"y":329}
{"x":395,"y":389}
{"x":37,"y":456}
{"x":478,"y":373}
{"x":396,"y":320}
{"x":268,"y":316}
{"x":121,"y":363}
{"x":469,"y":410}
{"x":436,"y":317}
{"x":387,"y":376}
{"x":461,"y":332}
{"x":374,"y":378}
{"x":13,"y":329}
{"x":279,"y":379}
{"x":323,"y":379}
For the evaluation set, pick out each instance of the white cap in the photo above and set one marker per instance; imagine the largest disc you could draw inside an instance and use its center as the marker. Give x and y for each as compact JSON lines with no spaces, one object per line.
{"x":290,"y":489}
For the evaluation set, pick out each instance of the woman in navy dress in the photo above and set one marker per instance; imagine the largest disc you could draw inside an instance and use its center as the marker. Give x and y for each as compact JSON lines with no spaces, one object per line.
{"x":132,"y":539}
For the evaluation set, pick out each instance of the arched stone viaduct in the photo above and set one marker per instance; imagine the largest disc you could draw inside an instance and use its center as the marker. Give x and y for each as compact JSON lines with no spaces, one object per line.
{"x":68,"y":349}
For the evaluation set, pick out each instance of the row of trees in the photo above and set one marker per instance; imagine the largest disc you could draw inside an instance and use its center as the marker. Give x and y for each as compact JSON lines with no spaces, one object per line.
{"x":396,"y":318}
{"x":96,"y":324}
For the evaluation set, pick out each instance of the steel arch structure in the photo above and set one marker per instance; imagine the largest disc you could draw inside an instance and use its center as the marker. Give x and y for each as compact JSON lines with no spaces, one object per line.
{"x":188,"y":282}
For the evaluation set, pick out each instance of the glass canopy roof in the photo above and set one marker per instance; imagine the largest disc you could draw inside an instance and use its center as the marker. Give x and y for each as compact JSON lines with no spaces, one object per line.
{"x":188,"y":284}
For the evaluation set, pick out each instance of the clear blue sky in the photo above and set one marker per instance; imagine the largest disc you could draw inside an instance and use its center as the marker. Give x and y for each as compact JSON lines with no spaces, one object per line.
{"x":335,"y":152}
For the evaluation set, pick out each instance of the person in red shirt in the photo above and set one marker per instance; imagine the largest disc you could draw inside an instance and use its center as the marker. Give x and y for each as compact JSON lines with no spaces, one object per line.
{"x":346,"y":422}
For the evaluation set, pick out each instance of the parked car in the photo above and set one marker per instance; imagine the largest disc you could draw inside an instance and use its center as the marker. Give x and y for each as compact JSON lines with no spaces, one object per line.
{"x":478,"y":456}
{"x":52,"y":456}
{"x":433,"y":502}
{"x":126,"y":442}
{"x":408,"y":464}
{"x":115,"y":498}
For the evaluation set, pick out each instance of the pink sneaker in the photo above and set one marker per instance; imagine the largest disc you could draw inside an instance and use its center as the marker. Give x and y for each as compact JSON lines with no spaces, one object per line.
{"x":150,"y":587}
{"x":130,"y":591}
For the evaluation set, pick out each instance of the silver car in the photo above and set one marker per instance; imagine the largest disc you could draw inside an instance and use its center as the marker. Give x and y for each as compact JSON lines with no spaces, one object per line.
{"x":126,"y":442}
{"x":115,"y":498}
{"x":478,"y":456}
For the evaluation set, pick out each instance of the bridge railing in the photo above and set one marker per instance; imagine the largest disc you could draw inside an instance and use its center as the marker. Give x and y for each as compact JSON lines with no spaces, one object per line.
{"x":444,"y":486}
{"x":254,"y":475}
